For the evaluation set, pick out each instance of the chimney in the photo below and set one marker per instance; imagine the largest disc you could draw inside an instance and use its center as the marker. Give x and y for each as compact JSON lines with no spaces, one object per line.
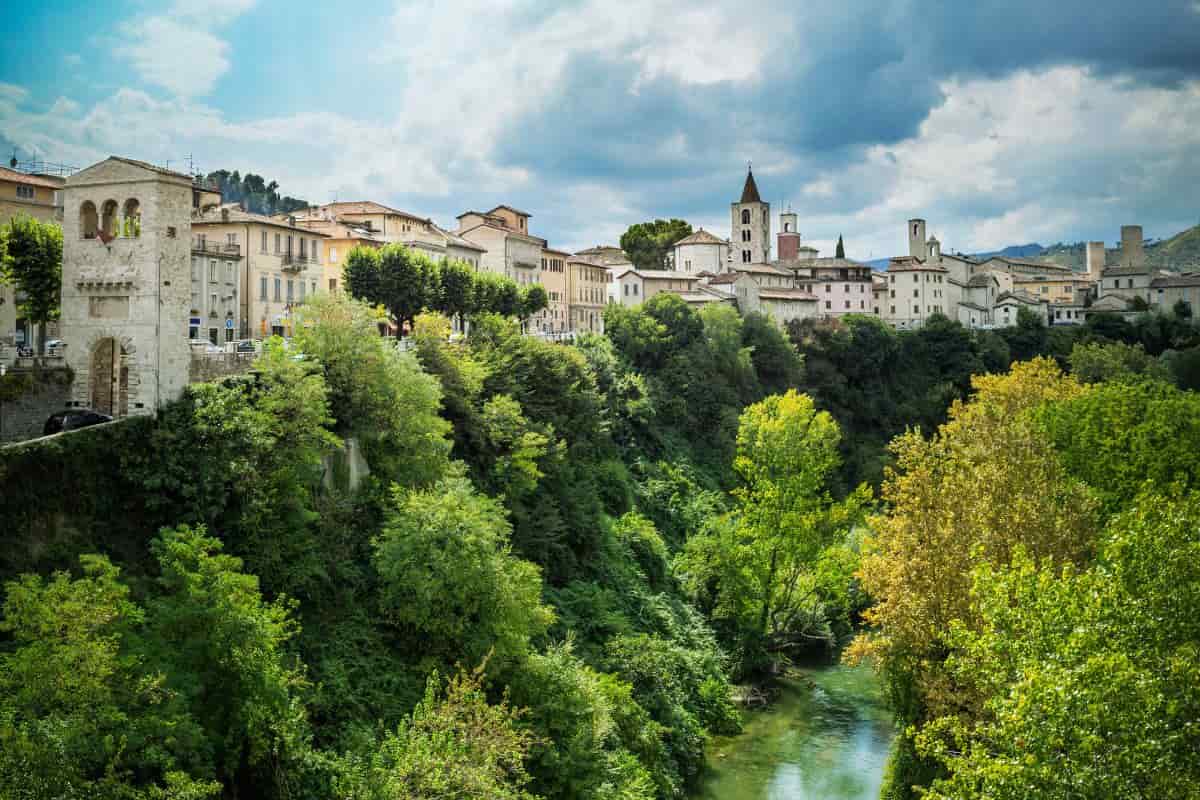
{"x":1095,"y":260}
{"x":1132,"y":254}
{"x":224,"y":215}
{"x":292,"y":220}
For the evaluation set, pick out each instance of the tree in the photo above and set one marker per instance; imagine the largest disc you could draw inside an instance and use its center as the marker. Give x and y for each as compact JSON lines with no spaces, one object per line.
{"x":457,"y":295}
{"x":841,"y":248}
{"x":406,"y":283}
{"x":647,"y":244}
{"x":1096,"y":361}
{"x":1088,"y":677}
{"x":80,"y":715}
{"x":454,"y":744}
{"x":533,"y":300}
{"x":361,"y":275}
{"x":33,"y":264}
{"x":450,"y":579}
{"x":762,"y":559}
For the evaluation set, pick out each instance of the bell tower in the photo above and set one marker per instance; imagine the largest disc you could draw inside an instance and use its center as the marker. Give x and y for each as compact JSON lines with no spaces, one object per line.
{"x":750,"y":226}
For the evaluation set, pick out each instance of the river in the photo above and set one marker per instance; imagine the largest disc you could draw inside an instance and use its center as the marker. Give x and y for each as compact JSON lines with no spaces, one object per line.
{"x":825,"y":738}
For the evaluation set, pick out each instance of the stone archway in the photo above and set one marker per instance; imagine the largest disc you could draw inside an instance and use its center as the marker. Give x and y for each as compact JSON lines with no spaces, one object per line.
{"x":108,"y":378}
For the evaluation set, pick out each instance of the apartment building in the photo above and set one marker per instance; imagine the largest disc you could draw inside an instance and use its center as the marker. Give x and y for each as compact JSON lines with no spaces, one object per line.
{"x":39,"y":196}
{"x":340,"y":238}
{"x":509,"y":248}
{"x":637,"y":286}
{"x":280,"y":265}
{"x":553,"y":277}
{"x":587,"y":292}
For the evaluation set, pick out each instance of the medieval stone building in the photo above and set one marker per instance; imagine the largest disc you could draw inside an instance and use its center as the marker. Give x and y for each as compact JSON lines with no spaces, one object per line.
{"x":126,"y":284}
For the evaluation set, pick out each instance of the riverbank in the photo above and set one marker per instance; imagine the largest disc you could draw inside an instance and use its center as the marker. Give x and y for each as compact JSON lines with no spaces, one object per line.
{"x":826,"y":736}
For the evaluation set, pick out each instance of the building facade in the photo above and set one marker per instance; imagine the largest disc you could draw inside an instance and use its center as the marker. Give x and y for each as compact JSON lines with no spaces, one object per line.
{"x":555,"y":317}
{"x":587,"y":292}
{"x":281,"y":265}
{"x":701,"y":252}
{"x":750,"y":226}
{"x":509,"y":248}
{"x":126,"y":254}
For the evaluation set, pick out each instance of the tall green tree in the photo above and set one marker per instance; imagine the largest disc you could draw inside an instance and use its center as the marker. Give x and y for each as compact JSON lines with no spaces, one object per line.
{"x":533,"y":300}
{"x":32,"y":262}
{"x":841,"y":248}
{"x":648,"y":243}
{"x":457,"y":295}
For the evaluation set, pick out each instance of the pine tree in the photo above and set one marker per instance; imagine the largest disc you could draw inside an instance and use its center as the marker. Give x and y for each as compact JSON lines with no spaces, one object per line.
{"x":841,"y":248}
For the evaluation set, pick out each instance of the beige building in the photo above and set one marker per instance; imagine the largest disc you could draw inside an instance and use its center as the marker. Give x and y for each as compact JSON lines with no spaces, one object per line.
{"x":701,"y":252}
{"x":587,"y":292}
{"x":915,"y":292}
{"x":39,"y":196}
{"x":340,"y":239}
{"x":281,"y":265}
{"x":509,"y":248}
{"x":125,"y":285}
{"x":1055,"y":288}
{"x":1167,"y":290}
{"x":635,"y":287}
{"x":555,"y":318}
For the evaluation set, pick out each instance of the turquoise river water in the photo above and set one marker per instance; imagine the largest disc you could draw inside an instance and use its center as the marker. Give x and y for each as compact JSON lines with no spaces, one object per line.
{"x":825,"y":738}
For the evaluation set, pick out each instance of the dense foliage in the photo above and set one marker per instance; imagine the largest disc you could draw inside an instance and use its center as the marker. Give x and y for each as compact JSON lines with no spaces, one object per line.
{"x":254,"y":193}
{"x":563,"y":555}
{"x":648,"y":244}
{"x":31,"y":261}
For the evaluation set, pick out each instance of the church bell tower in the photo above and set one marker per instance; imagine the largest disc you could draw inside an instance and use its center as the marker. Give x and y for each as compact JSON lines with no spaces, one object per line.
{"x":750,"y":226}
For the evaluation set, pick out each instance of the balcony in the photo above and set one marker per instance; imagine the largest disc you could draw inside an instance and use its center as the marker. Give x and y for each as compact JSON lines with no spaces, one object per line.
{"x":290,"y":262}
{"x":216,"y":248}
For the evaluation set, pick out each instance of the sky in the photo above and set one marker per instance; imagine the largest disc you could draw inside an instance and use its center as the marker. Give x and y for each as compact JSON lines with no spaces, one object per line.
{"x":999,"y":121}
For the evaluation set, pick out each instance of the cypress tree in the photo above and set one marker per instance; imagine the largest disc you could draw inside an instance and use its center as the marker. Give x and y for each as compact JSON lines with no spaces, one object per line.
{"x":841,"y":248}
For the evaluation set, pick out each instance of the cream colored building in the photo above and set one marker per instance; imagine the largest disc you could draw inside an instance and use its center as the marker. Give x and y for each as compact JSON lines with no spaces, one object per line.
{"x":555,"y":318}
{"x":281,"y":265}
{"x":635,"y":287}
{"x":39,"y":196}
{"x":340,"y":238}
{"x":510,"y":249}
{"x":701,"y":252}
{"x":1057,"y":289}
{"x":1168,"y":289}
{"x":587,"y":293}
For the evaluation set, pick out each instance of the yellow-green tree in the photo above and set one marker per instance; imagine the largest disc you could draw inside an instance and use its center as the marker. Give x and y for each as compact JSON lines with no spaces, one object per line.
{"x":986,"y":482}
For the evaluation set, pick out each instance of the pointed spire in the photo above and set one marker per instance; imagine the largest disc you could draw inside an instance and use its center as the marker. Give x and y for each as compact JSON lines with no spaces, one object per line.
{"x":750,"y":190}
{"x":841,"y":248}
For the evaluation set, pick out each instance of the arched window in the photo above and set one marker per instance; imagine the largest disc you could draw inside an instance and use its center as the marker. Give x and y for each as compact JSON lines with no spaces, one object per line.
{"x":914,"y":229}
{"x":108,"y":218}
{"x":132,"y":225}
{"x":745,"y":216}
{"x":88,"y":221}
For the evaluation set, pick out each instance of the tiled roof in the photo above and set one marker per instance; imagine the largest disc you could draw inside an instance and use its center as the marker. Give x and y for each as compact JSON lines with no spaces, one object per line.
{"x":980,"y":280}
{"x":226,"y":214}
{"x":723,"y":278}
{"x":152,"y":167}
{"x":1023,"y":297}
{"x":516,"y":211}
{"x":701,"y":236}
{"x":1112,"y":272}
{"x":763,"y":269}
{"x":1173,"y":281}
{"x":659,"y":275}
{"x":13,"y":176}
{"x":972,"y":306}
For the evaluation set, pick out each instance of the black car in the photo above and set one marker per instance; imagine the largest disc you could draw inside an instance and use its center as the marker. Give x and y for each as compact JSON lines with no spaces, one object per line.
{"x":72,"y":419}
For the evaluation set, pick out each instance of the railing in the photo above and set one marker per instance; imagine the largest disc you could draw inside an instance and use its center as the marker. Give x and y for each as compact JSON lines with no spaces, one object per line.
{"x":292,"y":262}
{"x":216,"y":248}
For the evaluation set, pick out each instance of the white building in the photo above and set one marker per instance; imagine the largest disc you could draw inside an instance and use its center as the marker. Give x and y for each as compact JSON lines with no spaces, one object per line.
{"x":701,"y":252}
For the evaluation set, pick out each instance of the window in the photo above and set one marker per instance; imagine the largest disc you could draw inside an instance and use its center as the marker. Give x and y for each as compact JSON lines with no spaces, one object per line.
{"x":108,"y":218}
{"x":263,"y":245}
{"x":745,"y":216}
{"x":195,"y":268}
{"x":916,"y":278}
{"x":25,"y":192}
{"x":196,"y":302}
{"x":916,"y":292}
{"x":212,"y":304}
{"x":847,"y":288}
{"x":277,"y":244}
{"x":88,"y":224}
{"x":893,"y":311}
{"x":301,"y":291}
{"x":278,"y":285}
{"x":303,"y":248}
{"x":212,"y":271}
{"x":229,"y":272}
{"x":847,"y":304}
{"x":291,"y":289}
{"x":862,"y":304}
{"x":828,"y":288}
{"x":332,"y":285}
{"x":892,"y":278}
{"x":289,"y":244}
{"x":828,"y":304}
{"x":635,"y":290}
{"x":231,"y":239}
{"x":745,"y":256}
{"x":916,"y":309}
{"x":262,"y":287}
{"x":627,"y":290}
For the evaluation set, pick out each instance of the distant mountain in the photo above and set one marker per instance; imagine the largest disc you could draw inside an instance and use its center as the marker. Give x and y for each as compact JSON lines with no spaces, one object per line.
{"x":1014,"y":251}
{"x":1181,"y":251}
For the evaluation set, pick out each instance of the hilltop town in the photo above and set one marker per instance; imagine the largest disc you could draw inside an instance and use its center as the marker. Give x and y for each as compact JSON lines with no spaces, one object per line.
{"x":160,"y":273}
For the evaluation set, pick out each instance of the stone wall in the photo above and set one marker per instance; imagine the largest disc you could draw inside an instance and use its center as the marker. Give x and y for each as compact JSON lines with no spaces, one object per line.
{"x":28,"y":397}
{"x":209,"y":367}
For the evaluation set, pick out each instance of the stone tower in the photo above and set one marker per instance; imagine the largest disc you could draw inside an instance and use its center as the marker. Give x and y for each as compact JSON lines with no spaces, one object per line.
{"x":125,"y":285}
{"x":787,"y":241}
{"x":933,"y":248}
{"x":1095,"y":260}
{"x":1132,"y":253}
{"x":916,"y":239}
{"x":750,"y":226}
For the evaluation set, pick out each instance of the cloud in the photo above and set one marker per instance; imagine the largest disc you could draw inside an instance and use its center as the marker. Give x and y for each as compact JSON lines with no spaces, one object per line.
{"x":178,"y":50}
{"x":992,"y":119}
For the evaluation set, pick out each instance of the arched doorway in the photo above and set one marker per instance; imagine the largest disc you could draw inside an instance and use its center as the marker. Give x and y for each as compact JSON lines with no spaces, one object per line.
{"x":109,"y":379}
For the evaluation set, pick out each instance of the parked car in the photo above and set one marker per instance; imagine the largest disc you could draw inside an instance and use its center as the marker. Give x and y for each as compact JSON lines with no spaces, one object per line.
{"x":246,"y":346}
{"x":73,"y":419}
{"x":24,"y":351}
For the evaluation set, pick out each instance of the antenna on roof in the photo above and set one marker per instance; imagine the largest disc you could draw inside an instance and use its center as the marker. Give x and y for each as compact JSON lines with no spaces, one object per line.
{"x":12,"y":162}
{"x":191,"y":164}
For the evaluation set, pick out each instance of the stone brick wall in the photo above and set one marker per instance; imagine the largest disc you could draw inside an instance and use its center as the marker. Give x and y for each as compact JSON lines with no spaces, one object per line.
{"x":209,"y":367}
{"x":22,"y":417}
